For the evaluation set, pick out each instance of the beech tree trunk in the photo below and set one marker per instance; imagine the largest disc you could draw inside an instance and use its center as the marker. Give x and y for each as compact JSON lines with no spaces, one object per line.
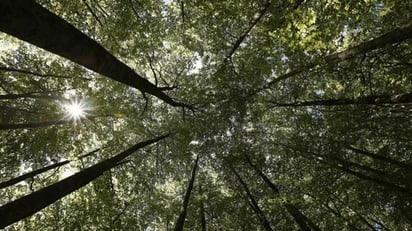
{"x":32,"y":96}
{"x":377,"y":180}
{"x":395,"y":36}
{"x":372,"y":99}
{"x":346,"y":163}
{"x":338,"y":214}
{"x":363,"y":219}
{"x":304,"y":223}
{"x":406,"y":166}
{"x":10,"y":69}
{"x":40,"y":124}
{"x":36,"y":201}
{"x":28,"y":21}
{"x":202,"y":211}
{"x":378,"y":176}
{"x":181,"y":219}
{"x":39,"y":171}
{"x":253,"y":203}
{"x":256,"y":18}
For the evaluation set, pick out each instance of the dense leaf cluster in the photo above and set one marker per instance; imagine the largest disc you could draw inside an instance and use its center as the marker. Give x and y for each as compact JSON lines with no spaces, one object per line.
{"x":206,"y":115}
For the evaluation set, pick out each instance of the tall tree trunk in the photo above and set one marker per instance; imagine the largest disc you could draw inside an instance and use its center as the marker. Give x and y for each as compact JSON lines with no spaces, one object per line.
{"x":181,"y":219}
{"x":339,"y":161}
{"x":39,"y":171}
{"x":372,"y":99}
{"x":202,"y":210}
{"x":34,"y":202}
{"x":380,"y":176}
{"x":32,"y":96}
{"x":378,"y":181}
{"x":253,"y":203}
{"x":406,"y":166}
{"x":22,"y":71}
{"x":363,"y":219}
{"x":41,"y":124}
{"x":389,"y":185}
{"x":256,"y":18}
{"x":28,"y":21}
{"x":395,"y":36}
{"x":304,"y":222}
{"x":337,"y":213}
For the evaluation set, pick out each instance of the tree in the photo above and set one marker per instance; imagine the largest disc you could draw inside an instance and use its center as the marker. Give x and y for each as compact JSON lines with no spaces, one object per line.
{"x":182,"y":216}
{"x":300,"y":111}
{"x":18,"y":209}
{"x":44,"y":27}
{"x":39,"y":171}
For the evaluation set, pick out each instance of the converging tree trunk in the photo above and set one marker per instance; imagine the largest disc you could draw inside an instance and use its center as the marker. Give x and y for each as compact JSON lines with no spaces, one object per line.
{"x":361,"y":218}
{"x":28,"y":21}
{"x":345,"y":167}
{"x":28,"y":72}
{"x":350,"y":166}
{"x":337,"y":213}
{"x":304,"y":222}
{"x":39,"y":171}
{"x":41,"y":124}
{"x":32,"y":96}
{"x":253,"y":203}
{"x":202,"y":210}
{"x":34,"y":202}
{"x":256,"y":18}
{"x":403,"y":165}
{"x":395,"y":36}
{"x":44,"y":124}
{"x":372,"y":100}
{"x":181,"y":219}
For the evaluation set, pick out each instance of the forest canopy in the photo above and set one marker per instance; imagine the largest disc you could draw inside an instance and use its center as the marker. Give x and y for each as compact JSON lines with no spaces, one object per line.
{"x":205,"y":115}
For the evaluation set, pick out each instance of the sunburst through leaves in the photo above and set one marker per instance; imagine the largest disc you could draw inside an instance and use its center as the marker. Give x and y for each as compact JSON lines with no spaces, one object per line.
{"x":76,"y":110}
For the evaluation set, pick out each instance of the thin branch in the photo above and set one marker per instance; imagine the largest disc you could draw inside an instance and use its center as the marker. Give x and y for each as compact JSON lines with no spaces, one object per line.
{"x":397,"y":35}
{"x":32,"y":96}
{"x":92,"y":12}
{"x":10,"y":69}
{"x":256,"y":18}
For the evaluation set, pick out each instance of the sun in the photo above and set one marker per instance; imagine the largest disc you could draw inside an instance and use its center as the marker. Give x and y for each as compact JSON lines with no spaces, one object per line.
{"x":76,"y":110}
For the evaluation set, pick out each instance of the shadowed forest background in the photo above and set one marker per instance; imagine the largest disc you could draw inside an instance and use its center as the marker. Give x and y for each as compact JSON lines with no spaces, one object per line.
{"x":205,"y":115}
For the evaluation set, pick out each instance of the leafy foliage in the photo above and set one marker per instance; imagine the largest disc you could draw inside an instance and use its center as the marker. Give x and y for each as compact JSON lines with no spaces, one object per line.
{"x":254,"y":85}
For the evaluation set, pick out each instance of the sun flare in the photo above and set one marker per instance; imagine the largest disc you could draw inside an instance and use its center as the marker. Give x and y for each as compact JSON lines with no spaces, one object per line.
{"x":76,"y":110}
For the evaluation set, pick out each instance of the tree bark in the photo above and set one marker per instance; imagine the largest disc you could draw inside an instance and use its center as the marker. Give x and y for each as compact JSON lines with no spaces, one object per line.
{"x":304,"y":222}
{"x":256,"y":18}
{"x":41,"y":124}
{"x":372,"y":100}
{"x":379,"y":175}
{"x":32,"y":174}
{"x":397,"y":35}
{"x":39,"y":171}
{"x":407,"y":167}
{"x":202,"y":211}
{"x":338,"y":214}
{"x":389,"y":185}
{"x":32,"y":96}
{"x":181,"y":219}
{"x":28,"y":21}
{"x":10,"y":69}
{"x":253,"y":203}
{"x":363,"y":219}
{"x":34,"y":202}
